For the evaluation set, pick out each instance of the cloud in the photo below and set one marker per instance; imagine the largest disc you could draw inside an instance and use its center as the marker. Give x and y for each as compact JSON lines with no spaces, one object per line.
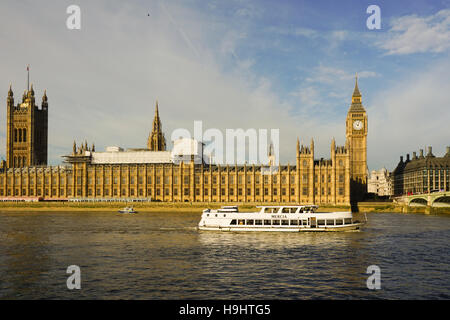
{"x":410,"y":115}
{"x":414,"y":34}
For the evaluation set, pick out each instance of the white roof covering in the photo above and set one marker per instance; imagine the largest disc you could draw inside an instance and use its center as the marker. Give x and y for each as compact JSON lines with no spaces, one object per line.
{"x":187,"y":146}
{"x":131,"y":157}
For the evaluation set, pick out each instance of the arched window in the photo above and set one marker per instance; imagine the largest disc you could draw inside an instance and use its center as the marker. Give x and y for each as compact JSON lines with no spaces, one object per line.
{"x":15,"y":135}
{"x":20,"y":135}
{"x":24,"y":138}
{"x":24,"y":160}
{"x":19,"y":162}
{"x":15,"y":161}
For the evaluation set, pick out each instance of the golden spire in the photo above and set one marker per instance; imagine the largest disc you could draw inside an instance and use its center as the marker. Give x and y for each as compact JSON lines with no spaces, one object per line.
{"x":356,"y":92}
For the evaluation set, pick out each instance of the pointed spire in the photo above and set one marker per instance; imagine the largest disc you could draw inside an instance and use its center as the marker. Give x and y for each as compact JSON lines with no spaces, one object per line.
{"x":44,"y":100}
{"x":156,"y":140}
{"x":74,"y":150}
{"x":298,"y":145}
{"x":93,"y":147}
{"x":10,"y":92}
{"x":31,"y":90}
{"x":356,"y":92}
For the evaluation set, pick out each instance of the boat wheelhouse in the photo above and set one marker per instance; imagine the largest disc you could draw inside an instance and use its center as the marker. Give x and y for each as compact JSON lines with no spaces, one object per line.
{"x":278,"y":218}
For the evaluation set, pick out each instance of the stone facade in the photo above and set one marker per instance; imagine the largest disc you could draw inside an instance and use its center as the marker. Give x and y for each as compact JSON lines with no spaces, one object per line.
{"x":26,"y":131}
{"x":308,"y":181}
{"x":422,"y":174}
{"x":380,"y":182}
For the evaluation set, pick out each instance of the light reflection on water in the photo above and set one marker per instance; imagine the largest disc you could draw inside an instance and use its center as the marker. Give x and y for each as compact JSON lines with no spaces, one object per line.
{"x":163,"y":256}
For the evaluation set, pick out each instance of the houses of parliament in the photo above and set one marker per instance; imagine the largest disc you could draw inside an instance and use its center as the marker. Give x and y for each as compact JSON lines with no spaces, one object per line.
{"x":156,"y":174}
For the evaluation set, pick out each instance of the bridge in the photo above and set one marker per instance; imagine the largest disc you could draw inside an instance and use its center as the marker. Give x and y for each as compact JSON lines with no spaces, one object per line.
{"x":433,"y":199}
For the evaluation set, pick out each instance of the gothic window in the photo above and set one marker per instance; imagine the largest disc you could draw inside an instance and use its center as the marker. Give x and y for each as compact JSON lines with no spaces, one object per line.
{"x":24,"y":138}
{"x":15,"y":135}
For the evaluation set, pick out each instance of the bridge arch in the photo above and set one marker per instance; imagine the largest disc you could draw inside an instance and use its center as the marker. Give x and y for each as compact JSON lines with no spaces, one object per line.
{"x":418,"y":202}
{"x":442,"y":201}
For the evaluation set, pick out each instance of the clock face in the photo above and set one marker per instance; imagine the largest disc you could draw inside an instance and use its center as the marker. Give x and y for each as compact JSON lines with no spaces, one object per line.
{"x":357,"y":125}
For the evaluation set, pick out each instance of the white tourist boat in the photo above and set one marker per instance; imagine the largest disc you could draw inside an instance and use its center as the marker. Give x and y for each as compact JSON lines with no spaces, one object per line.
{"x":278,"y":218}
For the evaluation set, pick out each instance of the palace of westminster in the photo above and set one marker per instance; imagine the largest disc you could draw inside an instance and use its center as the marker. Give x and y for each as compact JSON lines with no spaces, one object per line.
{"x":155,"y":174}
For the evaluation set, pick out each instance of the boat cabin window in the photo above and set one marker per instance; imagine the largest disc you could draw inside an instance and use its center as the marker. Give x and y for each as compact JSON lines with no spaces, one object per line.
{"x":294,"y":222}
{"x":271,"y":210}
{"x":207,"y":214}
{"x":304,"y":222}
{"x":320,"y":222}
{"x":275,"y":222}
{"x":330,"y":222}
{"x":250,"y":222}
{"x":233,"y":222}
{"x":348,"y":221}
{"x":258,"y":222}
{"x":241,"y":222}
{"x":267,"y":222}
{"x":285,"y":222}
{"x":339,"y":222}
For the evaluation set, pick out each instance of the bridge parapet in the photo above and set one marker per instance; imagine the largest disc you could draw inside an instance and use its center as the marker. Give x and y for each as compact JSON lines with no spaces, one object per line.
{"x":433,"y":199}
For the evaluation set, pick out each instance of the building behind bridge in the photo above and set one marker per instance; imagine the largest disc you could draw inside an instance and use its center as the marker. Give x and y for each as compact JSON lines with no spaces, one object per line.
{"x":422,"y":173}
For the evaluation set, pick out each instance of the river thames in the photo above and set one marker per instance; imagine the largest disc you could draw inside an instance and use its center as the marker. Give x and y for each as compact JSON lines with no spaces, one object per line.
{"x":163,"y":256}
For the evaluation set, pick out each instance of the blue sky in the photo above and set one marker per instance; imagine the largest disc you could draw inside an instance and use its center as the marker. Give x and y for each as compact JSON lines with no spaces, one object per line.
{"x":233,"y":64}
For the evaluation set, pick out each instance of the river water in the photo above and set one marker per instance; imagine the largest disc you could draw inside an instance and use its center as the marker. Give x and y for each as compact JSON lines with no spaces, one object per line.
{"x":163,"y":256}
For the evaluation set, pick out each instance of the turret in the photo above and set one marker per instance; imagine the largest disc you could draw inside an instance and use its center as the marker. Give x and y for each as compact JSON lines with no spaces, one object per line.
{"x":44,"y":101}
{"x":10,"y":99}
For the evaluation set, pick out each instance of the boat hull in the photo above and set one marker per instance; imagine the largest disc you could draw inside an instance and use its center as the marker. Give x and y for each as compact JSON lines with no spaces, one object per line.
{"x":349,"y":227}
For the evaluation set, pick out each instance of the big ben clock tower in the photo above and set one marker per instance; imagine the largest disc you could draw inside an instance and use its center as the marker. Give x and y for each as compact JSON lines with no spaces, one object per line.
{"x":356,"y":136}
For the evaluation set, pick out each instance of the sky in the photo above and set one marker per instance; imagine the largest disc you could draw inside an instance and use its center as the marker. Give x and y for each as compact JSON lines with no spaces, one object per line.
{"x":287,"y":65}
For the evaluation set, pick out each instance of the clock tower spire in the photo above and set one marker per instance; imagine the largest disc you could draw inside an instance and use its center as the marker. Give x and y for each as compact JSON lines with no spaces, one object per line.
{"x":356,"y":136}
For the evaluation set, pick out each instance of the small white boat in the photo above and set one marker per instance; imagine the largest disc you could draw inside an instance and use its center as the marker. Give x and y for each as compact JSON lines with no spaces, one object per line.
{"x":127,"y":210}
{"x":278,"y":218}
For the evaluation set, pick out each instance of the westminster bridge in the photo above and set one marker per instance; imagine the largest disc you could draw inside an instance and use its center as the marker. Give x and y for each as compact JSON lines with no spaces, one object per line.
{"x":432,"y":199}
